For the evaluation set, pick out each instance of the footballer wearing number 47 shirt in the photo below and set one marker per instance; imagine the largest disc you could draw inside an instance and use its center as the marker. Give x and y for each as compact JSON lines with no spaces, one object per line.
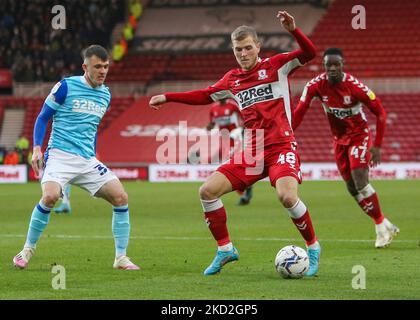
{"x":260,"y":87}
{"x":342,"y":97}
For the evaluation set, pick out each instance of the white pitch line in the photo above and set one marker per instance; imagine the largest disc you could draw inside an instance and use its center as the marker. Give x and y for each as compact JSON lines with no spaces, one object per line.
{"x":80,"y":237}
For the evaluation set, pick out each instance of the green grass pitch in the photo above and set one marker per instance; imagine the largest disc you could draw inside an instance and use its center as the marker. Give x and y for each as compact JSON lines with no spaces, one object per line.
{"x":172,"y":244}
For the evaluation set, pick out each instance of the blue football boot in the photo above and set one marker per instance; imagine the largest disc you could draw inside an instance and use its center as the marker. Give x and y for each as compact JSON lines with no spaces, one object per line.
{"x":246,"y":197}
{"x":63,"y":208}
{"x":314,"y":255}
{"x":222,"y":257}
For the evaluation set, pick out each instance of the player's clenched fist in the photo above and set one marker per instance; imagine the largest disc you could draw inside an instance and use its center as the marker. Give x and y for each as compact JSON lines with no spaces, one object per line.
{"x":156,"y":101}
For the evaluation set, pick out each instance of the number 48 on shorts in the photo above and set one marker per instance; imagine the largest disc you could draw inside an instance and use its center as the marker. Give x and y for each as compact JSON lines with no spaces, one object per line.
{"x":289,"y":158}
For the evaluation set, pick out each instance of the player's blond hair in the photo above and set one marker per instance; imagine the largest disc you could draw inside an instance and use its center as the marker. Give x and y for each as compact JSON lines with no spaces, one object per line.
{"x":240,"y":33}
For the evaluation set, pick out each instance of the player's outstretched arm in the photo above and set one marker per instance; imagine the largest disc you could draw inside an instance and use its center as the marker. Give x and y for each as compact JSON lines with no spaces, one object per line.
{"x":196,"y":97}
{"x":157,"y":101}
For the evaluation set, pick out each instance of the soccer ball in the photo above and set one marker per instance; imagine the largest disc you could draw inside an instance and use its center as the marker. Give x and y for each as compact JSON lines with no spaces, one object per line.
{"x":292,"y":262}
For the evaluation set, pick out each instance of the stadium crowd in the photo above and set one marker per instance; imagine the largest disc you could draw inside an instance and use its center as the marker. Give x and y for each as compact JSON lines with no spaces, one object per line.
{"x":34,"y":51}
{"x":20,"y":154}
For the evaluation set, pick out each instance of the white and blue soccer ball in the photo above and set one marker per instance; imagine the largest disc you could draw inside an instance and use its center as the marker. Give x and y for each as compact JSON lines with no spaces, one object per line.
{"x":292,"y":262}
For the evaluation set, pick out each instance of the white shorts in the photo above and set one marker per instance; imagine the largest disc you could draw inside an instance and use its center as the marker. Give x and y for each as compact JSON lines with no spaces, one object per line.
{"x":63,"y":167}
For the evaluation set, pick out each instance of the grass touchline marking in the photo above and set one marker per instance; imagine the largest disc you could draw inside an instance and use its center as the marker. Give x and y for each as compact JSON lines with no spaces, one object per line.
{"x":83,"y":237}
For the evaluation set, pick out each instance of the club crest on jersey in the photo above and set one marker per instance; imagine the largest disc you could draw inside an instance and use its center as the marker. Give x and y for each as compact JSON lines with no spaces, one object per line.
{"x":237,"y":84}
{"x":56,"y":87}
{"x":324,"y":98}
{"x":347,"y":100}
{"x":262,"y":74}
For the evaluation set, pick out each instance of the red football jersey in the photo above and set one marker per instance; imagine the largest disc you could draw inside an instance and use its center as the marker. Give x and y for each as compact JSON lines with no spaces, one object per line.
{"x":225,"y":116}
{"x":262,"y":93}
{"x":342,"y":102}
{"x":263,"y":96}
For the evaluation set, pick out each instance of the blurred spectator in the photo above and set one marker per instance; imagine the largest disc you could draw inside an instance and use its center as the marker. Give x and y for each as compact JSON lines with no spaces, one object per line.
{"x":136,"y":8}
{"x":29,"y":158}
{"x":11,"y":158}
{"x":22,"y":148}
{"x":36,"y":52}
{"x":22,"y":143}
{"x":2,"y":154}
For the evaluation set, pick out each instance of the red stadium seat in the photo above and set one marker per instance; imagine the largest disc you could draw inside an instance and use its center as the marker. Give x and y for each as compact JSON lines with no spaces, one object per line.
{"x":388,"y":50}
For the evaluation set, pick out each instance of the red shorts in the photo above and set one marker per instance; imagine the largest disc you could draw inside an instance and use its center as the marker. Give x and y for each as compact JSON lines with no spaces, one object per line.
{"x":353,"y":156}
{"x":277,"y":161}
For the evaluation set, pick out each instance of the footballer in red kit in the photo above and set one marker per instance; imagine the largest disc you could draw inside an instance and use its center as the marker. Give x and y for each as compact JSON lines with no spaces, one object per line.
{"x":226,"y":115}
{"x":342,"y":97}
{"x":261,"y":89}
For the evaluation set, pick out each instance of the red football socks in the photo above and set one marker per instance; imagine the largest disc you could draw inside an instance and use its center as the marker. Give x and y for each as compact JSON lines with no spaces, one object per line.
{"x":215,"y":215}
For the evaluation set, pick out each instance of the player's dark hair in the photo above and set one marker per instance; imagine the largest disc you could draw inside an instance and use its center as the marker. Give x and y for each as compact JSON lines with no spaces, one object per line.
{"x":333,"y":51}
{"x":95,"y":50}
{"x":240,"y":33}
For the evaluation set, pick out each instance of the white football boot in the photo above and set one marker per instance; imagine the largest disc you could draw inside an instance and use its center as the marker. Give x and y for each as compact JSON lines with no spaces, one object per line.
{"x":124,"y":263}
{"x":385,"y":232}
{"x":21,"y":260}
